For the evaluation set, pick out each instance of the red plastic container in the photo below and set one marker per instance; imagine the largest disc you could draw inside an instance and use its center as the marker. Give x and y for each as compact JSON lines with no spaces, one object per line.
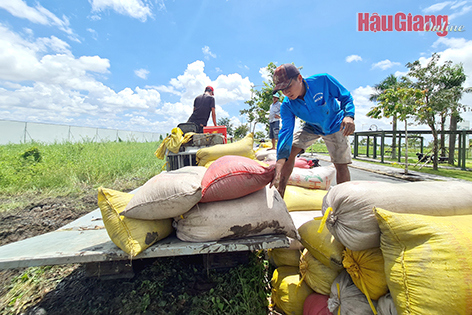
{"x":216,"y":129}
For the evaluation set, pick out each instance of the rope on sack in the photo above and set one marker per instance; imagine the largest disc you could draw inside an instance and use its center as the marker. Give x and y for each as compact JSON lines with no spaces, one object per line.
{"x":368,"y":297}
{"x":339,"y":297}
{"x":323,"y":220}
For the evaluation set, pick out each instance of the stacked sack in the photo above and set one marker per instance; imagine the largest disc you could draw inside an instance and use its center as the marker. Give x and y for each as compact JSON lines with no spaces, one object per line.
{"x":388,"y":249}
{"x":231,"y":199}
{"x":407,"y":246}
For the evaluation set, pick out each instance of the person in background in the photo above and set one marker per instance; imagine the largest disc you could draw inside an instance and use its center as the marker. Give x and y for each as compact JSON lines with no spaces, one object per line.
{"x":203,"y":105}
{"x":327,"y":109}
{"x":274,"y":120}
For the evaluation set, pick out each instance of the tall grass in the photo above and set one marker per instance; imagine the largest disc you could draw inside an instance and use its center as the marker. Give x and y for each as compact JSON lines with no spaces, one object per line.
{"x":74,"y":167}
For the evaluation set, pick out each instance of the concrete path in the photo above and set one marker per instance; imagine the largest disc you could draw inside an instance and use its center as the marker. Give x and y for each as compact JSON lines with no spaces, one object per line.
{"x":387,"y":170}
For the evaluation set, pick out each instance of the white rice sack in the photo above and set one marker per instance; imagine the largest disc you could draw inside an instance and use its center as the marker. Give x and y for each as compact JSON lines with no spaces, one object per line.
{"x":315,"y":178}
{"x":349,"y":299}
{"x":351,"y":218}
{"x":167,"y":195}
{"x":385,"y":305}
{"x":262,"y":212}
{"x":264,"y":154}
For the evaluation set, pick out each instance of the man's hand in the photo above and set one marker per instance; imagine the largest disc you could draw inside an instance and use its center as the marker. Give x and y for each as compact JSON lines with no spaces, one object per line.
{"x":277,"y":177}
{"x":347,"y":126}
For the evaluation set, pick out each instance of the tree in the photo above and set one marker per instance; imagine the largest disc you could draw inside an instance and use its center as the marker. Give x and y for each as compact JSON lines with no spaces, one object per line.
{"x":241,"y":131}
{"x":229,"y":126}
{"x":452,"y":79}
{"x":259,"y":104}
{"x":440,"y":98}
{"x":389,"y":82}
{"x":399,"y":102}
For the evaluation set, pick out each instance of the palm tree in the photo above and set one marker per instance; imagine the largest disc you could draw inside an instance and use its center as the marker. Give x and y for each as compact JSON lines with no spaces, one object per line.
{"x":389,"y":82}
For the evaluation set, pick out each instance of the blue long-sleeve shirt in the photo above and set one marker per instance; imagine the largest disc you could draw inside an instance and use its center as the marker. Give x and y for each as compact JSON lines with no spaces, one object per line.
{"x":323,"y":108}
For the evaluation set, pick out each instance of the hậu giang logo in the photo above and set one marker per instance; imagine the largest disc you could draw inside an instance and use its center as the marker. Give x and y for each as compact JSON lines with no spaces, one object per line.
{"x":402,"y":22}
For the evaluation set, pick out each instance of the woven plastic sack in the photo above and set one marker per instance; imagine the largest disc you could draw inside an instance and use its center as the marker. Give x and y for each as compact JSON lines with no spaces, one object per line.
{"x":348,"y":206}
{"x":428,"y":262}
{"x":288,"y":291}
{"x":313,"y":178}
{"x":167,"y":195}
{"x":366,"y":268}
{"x":300,"y":162}
{"x":385,"y":305}
{"x":131,"y":235}
{"x":318,"y":277}
{"x":172,"y":143}
{"x":243,"y":147}
{"x":299,"y":198}
{"x":322,"y":245}
{"x":316,"y":304}
{"x":232,"y":176}
{"x":264,"y":154}
{"x":284,"y":257}
{"x":260,"y":213}
{"x":346,"y":299}
{"x":301,"y":217}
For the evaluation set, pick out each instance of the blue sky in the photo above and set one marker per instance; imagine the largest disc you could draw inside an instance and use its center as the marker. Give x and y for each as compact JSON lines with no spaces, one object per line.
{"x":138,"y":64}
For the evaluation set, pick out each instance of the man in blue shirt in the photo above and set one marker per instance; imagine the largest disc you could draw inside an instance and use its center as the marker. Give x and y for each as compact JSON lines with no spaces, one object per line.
{"x":327,"y":109}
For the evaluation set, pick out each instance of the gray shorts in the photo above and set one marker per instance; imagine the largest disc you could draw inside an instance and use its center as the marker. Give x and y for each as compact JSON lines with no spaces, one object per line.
{"x":338,"y":145}
{"x":274,"y":130}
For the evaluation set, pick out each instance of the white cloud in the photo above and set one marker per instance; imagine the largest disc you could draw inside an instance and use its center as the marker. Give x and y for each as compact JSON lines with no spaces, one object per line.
{"x":265,"y":74}
{"x":458,"y":7}
{"x":363,"y":105}
{"x":290,"y":49}
{"x":352,"y":58}
{"x":207,"y":53}
{"x":142,"y":73}
{"x":42,"y":81}
{"x":133,"y":8}
{"x":385,"y":64}
{"x":38,"y":15}
{"x":93,"y":33}
{"x":437,"y":7}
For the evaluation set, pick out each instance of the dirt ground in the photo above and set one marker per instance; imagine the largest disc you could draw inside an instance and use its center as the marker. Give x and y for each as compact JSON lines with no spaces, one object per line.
{"x":72,"y":292}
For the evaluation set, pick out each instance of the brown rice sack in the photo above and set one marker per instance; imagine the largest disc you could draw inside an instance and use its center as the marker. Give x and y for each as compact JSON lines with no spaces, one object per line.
{"x":131,"y":235}
{"x":260,"y":213}
{"x":348,"y":206}
{"x":167,"y":195}
{"x":243,"y":147}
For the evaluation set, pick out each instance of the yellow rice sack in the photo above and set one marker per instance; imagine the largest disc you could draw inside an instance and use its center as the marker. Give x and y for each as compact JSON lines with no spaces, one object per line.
{"x":323,"y":246}
{"x":428,"y":262}
{"x":131,"y":235}
{"x":288,"y":291}
{"x":243,"y":147}
{"x":366,"y":268}
{"x":284,"y":257}
{"x":300,"y":198}
{"x":318,"y":277}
